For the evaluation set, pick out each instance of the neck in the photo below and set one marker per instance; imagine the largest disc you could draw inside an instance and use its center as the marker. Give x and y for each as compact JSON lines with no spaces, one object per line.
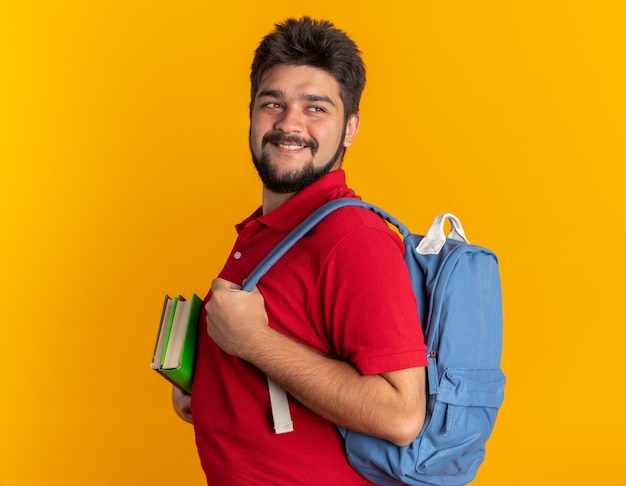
{"x":271,"y":200}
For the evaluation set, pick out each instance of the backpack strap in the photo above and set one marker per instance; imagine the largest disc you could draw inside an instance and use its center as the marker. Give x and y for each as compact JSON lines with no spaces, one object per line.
{"x":279,"y":402}
{"x":305,"y":226}
{"x":281,"y":415}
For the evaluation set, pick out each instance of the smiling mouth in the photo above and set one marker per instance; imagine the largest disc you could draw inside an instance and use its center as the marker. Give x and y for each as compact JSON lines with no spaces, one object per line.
{"x":289,"y":143}
{"x":290,"y":146}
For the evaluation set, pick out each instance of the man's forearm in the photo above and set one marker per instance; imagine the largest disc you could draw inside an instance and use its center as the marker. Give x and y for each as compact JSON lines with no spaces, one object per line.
{"x":390,"y":406}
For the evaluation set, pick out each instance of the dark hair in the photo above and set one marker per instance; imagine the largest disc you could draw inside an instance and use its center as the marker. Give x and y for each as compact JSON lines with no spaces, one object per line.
{"x":316,"y":43}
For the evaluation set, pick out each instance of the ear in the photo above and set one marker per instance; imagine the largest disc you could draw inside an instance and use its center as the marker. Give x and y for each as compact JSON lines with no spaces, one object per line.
{"x":352,"y":127}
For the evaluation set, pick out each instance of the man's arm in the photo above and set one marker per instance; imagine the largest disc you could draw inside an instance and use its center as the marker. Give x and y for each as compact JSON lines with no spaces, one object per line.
{"x":390,"y":405}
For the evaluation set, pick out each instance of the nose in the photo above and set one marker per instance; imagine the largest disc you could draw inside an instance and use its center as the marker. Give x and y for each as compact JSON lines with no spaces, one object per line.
{"x":290,"y":121}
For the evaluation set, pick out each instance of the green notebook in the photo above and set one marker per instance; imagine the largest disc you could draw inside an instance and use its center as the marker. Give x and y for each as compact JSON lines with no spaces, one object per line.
{"x":175,"y":350}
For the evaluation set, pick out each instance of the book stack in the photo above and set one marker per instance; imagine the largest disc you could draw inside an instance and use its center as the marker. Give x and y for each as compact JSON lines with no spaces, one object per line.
{"x":175,"y":350}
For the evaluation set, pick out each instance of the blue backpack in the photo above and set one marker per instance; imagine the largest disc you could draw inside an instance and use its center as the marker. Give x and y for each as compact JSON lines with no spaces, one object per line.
{"x":457,"y":287}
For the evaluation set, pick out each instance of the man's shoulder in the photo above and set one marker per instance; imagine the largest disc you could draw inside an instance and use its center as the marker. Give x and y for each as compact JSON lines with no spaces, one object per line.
{"x":353,"y":225}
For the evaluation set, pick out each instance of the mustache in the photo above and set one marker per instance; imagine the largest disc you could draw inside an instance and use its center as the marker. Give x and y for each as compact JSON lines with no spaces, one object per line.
{"x":278,"y":138}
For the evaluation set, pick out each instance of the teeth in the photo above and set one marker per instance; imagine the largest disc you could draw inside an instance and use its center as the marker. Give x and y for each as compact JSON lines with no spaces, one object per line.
{"x":290,"y":147}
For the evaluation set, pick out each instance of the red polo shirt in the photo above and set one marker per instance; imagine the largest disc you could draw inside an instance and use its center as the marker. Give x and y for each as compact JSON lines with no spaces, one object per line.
{"x":344,"y":291}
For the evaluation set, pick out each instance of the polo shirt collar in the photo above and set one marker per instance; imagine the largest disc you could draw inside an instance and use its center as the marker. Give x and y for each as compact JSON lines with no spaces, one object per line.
{"x":300,"y":205}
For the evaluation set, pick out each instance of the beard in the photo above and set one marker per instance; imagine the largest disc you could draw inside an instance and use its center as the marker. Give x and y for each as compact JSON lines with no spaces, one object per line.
{"x":296,"y":180}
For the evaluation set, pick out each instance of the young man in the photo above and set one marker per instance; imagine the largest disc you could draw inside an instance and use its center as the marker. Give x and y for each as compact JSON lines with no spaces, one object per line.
{"x":334,"y":322}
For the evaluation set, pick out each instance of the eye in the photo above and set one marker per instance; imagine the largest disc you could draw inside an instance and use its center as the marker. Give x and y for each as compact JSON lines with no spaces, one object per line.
{"x":316,"y":109}
{"x":272,"y":105}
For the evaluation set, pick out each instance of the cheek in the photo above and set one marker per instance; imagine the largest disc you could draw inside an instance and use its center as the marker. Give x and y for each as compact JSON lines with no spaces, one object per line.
{"x":256,"y":135}
{"x":330,"y":137}
{"x":261,"y":122}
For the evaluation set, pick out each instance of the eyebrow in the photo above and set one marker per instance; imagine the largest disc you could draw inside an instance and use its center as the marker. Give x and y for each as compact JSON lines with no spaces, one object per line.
{"x":276,"y":93}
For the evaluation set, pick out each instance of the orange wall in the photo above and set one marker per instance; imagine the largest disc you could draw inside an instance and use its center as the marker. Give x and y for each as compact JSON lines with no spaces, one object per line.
{"x":124,"y":165}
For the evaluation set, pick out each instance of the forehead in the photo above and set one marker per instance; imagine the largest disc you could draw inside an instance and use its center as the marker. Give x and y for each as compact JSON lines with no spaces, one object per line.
{"x":300,"y":81}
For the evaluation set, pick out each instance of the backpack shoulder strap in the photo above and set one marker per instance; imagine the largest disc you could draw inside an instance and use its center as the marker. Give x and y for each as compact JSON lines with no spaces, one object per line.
{"x":279,"y":402}
{"x":304,"y":227}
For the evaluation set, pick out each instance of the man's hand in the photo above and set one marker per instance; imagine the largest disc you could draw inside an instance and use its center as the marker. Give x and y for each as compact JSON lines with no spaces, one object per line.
{"x":236,"y":320}
{"x":182,"y":404}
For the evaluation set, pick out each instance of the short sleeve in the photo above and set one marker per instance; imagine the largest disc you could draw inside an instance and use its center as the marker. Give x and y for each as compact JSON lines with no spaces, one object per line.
{"x":367,"y":304}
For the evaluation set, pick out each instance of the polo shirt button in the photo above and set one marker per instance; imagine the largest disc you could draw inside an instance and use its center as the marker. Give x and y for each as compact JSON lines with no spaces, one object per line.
{"x":237,"y":255}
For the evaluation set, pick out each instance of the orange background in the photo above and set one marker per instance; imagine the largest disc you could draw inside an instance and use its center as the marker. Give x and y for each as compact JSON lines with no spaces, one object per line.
{"x":124,"y":165}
